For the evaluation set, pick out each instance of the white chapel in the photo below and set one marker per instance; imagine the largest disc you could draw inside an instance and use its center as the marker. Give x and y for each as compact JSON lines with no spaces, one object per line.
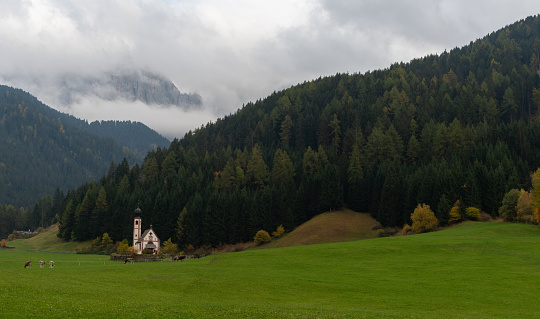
{"x":148,"y":239}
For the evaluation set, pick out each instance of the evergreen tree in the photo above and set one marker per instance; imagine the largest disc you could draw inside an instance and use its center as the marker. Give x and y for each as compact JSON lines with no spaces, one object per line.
{"x":257,"y":170}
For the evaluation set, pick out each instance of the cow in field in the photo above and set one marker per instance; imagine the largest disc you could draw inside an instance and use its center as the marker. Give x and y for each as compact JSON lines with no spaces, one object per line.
{"x":28,"y":264}
{"x":128,"y":260}
{"x":51,"y":264}
{"x":179,"y":257}
{"x":41,"y":264}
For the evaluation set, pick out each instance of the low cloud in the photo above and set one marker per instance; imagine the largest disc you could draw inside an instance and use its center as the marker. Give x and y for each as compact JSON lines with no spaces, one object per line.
{"x":167,"y":121}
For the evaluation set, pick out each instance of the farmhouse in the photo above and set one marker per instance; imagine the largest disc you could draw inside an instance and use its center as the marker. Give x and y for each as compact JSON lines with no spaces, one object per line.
{"x":148,"y":240}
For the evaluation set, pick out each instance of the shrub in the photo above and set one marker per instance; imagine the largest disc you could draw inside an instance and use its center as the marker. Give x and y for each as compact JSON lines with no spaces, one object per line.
{"x":509,"y":203}
{"x":3,"y":243}
{"x":169,"y":247}
{"x":525,"y":208}
{"x":106,"y":241}
{"x":279,"y":231}
{"x":455,"y":215}
{"x":407,"y":229}
{"x":122,"y":247}
{"x":485,"y":217}
{"x":472,"y":213}
{"x":132,"y":250}
{"x":96,"y":242}
{"x":387,"y":232}
{"x":423,"y":219}
{"x":262,"y":236}
{"x":189,"y":249}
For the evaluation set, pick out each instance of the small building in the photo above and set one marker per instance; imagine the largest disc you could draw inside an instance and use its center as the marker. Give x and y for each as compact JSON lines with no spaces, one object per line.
{"x":147,"y":240}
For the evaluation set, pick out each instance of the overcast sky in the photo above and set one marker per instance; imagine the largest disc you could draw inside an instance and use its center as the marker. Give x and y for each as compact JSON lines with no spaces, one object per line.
{"x":230,"y":52}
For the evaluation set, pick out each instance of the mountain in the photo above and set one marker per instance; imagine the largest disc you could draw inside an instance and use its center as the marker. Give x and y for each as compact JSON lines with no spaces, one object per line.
{"x":40,"y":150}
{"x":136,"y":136}
{"x":125,"y":84}
{"x":459,"y":126}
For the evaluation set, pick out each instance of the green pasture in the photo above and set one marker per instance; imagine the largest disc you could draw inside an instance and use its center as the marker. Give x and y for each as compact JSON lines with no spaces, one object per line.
{"x":477,"y":270}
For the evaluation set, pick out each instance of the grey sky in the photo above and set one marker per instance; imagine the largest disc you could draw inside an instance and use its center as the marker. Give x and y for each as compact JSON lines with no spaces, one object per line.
{"x":230,"y":52}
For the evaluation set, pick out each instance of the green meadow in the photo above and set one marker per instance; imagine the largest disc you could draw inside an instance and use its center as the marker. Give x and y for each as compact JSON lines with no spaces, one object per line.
{"x":476,"y":270}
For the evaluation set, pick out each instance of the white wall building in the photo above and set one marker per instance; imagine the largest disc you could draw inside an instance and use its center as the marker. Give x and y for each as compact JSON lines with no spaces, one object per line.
{"x":147,"y":240}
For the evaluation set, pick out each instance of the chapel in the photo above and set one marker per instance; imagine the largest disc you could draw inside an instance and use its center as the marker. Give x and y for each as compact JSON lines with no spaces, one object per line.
{"x":147,"y":240}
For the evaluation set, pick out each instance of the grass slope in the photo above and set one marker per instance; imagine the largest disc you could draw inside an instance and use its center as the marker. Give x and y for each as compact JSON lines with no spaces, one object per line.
{"x":481,"y":270}
{"x":331,"y":227}
{"x":48,"y":241}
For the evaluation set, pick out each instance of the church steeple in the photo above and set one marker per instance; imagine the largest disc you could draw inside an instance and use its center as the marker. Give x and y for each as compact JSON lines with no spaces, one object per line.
{"x":137,"y":228}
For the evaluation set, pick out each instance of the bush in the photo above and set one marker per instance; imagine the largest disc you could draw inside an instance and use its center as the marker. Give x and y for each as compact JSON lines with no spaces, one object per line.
{"x":509,"y":203}
{"x":472,"y":213}
{"x":387,"y":232}
{"x":525,"y":208}
{"x":407,"y":229}
{"x":279,"y":231}
{"x":106,"y":241}
{"x":376,"y":226}
{"x":3,"y":243}
{"x":122,"y":247}
{"x":169,"y":247}
{"x":262,"y":236}
{"x":423,"y":219}
{"x":455,"y":215}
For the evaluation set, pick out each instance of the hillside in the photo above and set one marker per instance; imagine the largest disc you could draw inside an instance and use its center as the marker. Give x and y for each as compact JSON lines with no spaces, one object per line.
{"x":39,"y":152}
{"x":330,"y":227}
{"x":136,"y":136}
{"x":461,"y":125}
{"x":48,"y":241}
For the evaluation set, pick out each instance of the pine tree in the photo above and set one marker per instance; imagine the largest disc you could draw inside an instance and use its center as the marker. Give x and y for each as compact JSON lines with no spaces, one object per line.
{"x":335,"y":134}
{"x":283,"y":169}
{"x":413,"y":149}
{"x":81,"y":229}
{"x":286,"y":131}
{"x":99,"y":217}
{"x":257,"y":170}
{"x":355,"y":166}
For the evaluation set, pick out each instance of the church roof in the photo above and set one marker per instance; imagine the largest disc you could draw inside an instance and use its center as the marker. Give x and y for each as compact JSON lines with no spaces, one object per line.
{"x":138,"y":212}
{"x":146,"y":233}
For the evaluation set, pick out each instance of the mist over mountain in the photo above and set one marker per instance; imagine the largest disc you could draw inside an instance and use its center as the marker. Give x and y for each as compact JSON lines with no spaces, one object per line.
{"x":125,"y":84}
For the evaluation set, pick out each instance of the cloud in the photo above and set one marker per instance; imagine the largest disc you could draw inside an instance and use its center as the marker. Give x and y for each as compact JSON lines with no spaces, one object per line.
{"x":229,"y":52}
{"x":167,"y":121}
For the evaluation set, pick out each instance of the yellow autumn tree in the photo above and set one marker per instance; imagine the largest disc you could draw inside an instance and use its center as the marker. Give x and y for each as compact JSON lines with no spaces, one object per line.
{"x":423,"y":219}
{"x":123,"y":246}
{"x":262,"y":236}
{"x":525,"y":208}
{"x":169,"y":247}
{"x":472,"y":213}
{"x":455,"y":215}
{"x":536,"y":194}
{"x":279,"y":231}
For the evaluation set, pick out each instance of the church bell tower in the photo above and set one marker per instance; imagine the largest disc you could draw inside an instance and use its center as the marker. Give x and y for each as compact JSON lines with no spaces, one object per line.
{"x":137,"y":228}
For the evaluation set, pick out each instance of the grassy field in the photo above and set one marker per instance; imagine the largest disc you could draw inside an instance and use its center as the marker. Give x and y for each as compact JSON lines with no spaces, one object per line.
{"x":477,"y":270}
{"x":48,"y":241}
